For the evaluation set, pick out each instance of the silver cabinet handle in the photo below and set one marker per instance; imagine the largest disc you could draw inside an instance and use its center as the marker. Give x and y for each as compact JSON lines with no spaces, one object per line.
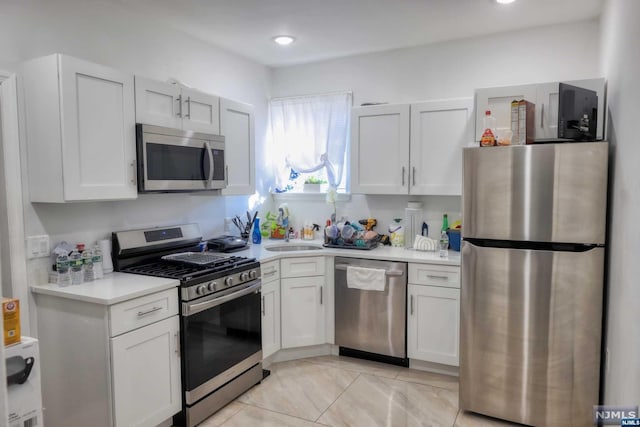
{"x":262,"y":305}
{"x":403,"y":170}
{"x":177,"y":336}
{"x":414,"y":176}
{"x":144,"y":313}
{"x":411,"y":304}
{"x":542,"y":116}
{"x":226,"y":176}
{"x":433,"y":276}
{"x":188,"y":115}
{"x":321,"y":291}
{"x":269,"y":273}
{"x":133,"y":172}
{"x":180,"y":105}
{"x":210,"y":154}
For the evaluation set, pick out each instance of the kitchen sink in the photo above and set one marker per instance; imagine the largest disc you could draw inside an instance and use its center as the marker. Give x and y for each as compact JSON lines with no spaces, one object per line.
{"x":292,"y":247}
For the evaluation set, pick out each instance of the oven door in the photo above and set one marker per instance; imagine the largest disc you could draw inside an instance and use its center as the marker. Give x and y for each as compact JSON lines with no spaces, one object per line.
{"x":171,"y":160}
{"x":221,"y":337}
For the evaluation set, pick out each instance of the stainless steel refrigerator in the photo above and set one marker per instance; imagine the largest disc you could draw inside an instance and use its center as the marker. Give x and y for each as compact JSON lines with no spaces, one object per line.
{"x":534,"y":220}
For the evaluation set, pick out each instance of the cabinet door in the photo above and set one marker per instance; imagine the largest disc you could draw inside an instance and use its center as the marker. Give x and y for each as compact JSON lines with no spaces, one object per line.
{"x":146,"y":374}
{"x":98,"y":132}
{"x":200,"y":112}
{"x":270,"y":318}
{"x":433,"y":326}
{"x":303,"y":311}
{"x":439,"y":131}
{"x":158,"y":103}
{"x":380,"y":149}
{"x":237,"y":126}
{"x":498,"y":100}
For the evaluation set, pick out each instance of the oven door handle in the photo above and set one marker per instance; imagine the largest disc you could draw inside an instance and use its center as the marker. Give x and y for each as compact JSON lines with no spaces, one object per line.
{"x":189,"y":309}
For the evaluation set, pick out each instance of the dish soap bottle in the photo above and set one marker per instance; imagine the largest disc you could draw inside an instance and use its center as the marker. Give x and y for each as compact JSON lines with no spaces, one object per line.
{"x":256,"y":237}
{"x":396,"y":231}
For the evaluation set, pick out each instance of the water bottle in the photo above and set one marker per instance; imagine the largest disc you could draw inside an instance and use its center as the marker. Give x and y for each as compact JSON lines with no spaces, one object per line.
{"x":444,"y":244}
{"x":75,"y":264}
{"x":98,"y":272}
{"x":87,"y":266}
{"x":62,"y":267}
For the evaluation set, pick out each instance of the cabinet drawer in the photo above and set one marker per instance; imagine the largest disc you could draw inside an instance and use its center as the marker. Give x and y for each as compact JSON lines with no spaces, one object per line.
{"x":435,"y":275}
{"x":270,"y":270}
{"x":142,"y":311}
{"x":302,"y":267}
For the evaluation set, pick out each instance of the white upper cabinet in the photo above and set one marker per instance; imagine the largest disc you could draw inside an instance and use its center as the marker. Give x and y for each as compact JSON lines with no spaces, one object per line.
{"x":80,"y":130}
{"x":410,"y":148}
{"x":439,"y":131}
{"x":545,"y":96}
{"x":380,"y":149}
{"x":170,"y":105}
{"x":237,"y":126}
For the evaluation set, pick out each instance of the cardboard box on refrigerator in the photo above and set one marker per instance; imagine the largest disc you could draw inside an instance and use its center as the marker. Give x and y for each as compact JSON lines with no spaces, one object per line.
{"x":526,"y":123}
{"x":23,"y":383}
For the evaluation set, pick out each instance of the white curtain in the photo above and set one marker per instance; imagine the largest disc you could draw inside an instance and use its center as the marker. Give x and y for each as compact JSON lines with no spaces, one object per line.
{"x":310,"y":133}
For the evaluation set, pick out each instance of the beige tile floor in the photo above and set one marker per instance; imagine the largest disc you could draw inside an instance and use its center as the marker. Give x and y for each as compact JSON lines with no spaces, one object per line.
{"x":341,"y":391}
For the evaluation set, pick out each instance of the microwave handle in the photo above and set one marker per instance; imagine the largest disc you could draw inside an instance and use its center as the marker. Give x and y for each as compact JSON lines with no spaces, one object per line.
{"x":210,"y":154}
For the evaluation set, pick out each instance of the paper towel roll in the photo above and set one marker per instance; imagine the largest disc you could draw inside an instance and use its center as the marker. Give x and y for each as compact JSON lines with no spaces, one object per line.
{"x":105,"y":247}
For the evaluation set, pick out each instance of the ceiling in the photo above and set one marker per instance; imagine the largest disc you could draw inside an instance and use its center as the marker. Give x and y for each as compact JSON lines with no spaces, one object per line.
{"x":334,"y":28}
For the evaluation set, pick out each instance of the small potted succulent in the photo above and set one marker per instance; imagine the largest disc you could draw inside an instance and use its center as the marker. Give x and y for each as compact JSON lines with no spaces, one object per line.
{"x":313,"y":184}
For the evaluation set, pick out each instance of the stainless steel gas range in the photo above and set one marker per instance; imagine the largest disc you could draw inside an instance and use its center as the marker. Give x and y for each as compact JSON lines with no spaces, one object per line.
{"x":220,"y":312}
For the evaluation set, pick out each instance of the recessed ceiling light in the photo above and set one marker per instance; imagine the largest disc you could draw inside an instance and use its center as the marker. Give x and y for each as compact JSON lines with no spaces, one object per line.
{"x":284,"y":40}
{"x":504,"y":1}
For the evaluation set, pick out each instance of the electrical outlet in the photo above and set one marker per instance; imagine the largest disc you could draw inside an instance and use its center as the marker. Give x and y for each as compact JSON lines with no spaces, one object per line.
{"x":227,"y":224}
{"x":38,"y":246}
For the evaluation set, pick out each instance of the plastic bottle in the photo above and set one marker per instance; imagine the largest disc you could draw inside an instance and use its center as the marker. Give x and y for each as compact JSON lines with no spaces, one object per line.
{"x":75,"y":264}
{"x":96,"y":254}
{"x":488,"y":138}
{"x":62,"y":267}
{"x":444,"y":244}
{"x":87,"y":266}
{"x":256,"y":237}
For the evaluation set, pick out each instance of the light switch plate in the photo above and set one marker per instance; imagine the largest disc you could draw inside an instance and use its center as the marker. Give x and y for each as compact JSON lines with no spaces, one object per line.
{"x":38,"y":246}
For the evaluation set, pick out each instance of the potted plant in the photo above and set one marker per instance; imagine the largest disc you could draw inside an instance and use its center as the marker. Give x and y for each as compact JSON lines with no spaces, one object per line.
{"x":313,"y":184}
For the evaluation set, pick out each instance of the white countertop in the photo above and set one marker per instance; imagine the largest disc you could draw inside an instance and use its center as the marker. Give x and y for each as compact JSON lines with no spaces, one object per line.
{"x":112,"y":289}
{"x":387,"y":253}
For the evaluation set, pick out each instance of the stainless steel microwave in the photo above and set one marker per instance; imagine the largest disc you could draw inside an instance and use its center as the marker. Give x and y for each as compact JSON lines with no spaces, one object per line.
{"x":174,"y":160}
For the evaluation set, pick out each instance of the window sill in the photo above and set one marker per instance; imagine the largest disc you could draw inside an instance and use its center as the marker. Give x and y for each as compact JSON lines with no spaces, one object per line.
{"x":341,"y":197}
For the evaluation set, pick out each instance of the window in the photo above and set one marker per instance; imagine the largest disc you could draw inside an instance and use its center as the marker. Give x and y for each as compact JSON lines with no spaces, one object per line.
{"x":309,"y":139}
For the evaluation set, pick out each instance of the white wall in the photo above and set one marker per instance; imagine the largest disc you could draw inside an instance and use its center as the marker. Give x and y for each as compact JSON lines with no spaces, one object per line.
{"x":106,"y":33}
{"x":443,"y":70}
{"x":621,"y":66}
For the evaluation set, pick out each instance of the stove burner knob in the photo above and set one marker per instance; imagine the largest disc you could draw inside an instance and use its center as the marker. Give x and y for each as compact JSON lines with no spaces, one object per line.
{"x":253,"y":274}
{"x":211,"y":286}
{"x":201,"y":290}
{"x":244,"y":276}
{"x":228,"y":281}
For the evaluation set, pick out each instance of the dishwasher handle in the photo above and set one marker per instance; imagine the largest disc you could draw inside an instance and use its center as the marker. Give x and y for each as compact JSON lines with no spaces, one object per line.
{"x":391,"y":273}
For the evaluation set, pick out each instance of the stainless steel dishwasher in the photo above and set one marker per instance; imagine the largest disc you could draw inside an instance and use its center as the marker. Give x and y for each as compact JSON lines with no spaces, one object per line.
{"x":372,"y":324}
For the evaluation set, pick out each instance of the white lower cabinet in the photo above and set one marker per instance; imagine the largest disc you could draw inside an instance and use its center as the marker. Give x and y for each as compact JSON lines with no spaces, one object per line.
{"x":433,"y":326}
{"x":110,"y":365}
{"x":146,"y":374}
{"x":303,"y":311}
{"x":270,"y":317}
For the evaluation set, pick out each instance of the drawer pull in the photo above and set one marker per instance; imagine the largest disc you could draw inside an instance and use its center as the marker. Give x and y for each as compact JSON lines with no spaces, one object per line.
{"x":144,"y":313}
{"x":411,"y":308}
{"x":321,"y":292}
{"x":433,"y":276}
{"x":269,"y":273}
{"x":262,"y":306}
{"x":177,"y":344}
